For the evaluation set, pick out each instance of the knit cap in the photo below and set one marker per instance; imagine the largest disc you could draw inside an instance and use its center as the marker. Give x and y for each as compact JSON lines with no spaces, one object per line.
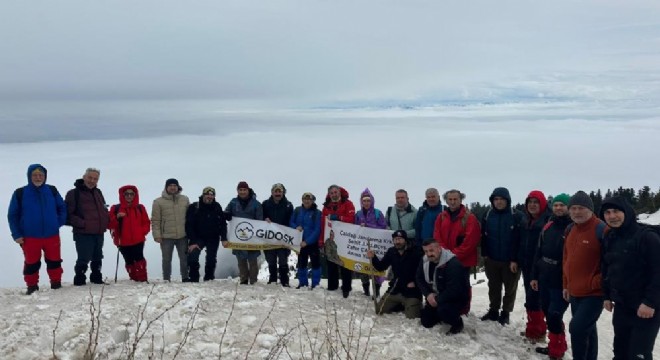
{"x":171,"y":182}
{"x":278,"y":186}
{"x":581,"y":198}
{"x":242,"y":185}
{"x":208,"y":191}
{"x":308,"y":195}
{"x":562,"y":198}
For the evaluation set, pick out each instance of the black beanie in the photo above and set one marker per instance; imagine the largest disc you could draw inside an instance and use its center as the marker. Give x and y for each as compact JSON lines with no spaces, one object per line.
{"x":172,"y":182}
{"x":581,"y":198}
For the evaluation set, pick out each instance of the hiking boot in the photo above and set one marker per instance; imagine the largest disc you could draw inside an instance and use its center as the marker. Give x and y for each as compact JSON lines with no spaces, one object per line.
{"x":491,"y":315}
{"x":542,"y":350}
{"x":365,"y":288}
{"x":300,"y":286}
{"x":55,"y":285}
{"x":504,"y":318}
{"x":345,"y":293}
{"x":32,"y":289}
{"x":457,"y":328}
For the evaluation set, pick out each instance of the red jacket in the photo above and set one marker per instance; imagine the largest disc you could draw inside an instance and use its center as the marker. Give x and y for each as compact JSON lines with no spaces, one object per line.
{"x":581,"y":267}
{"x":134,"y":226}
{"x":459,"y":236}
{"x":344,"y":209}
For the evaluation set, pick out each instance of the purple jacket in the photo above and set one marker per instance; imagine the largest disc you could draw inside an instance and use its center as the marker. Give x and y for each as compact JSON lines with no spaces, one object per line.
{"x":371,"y":217}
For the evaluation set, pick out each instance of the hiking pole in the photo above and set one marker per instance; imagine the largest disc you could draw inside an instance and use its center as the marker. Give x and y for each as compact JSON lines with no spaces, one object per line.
{"x":117,"y":266}
{"x":373,"y":280}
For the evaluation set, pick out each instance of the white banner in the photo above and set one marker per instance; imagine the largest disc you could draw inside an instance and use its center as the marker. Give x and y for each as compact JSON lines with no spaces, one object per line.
{"x":347,"y":244}
{"x":248,"y":234}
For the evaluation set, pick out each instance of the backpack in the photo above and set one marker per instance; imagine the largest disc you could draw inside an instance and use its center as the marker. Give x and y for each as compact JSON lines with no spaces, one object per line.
{"x":19,"y":196}
{"x":517,"y":218}
{"x":600,"y":231}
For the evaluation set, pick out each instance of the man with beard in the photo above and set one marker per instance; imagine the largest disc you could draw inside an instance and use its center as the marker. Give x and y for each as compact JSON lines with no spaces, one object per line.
{"x":337,"y":207}
{"x":631,"y":280}
{"x":546,"y":277}
{"x":89,"y":217}
{"x":445,"y":284}
{"x":278,"y":209}
{"x":206,"y":226}
{"x":403,"y":257}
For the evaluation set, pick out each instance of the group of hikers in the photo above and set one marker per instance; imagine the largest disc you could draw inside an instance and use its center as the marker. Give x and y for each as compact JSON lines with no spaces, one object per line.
{"x":566,"y":254}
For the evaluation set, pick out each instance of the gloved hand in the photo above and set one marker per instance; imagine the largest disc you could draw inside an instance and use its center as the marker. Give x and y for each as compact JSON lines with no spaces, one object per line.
{"x":334,"y":217}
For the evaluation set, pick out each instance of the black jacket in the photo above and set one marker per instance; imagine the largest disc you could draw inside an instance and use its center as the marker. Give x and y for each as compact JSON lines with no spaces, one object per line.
{"x":630,"y":266}
{"x":549,"y":255}
{"x":205,"y":222}
{"x":452,"y":281}
{"x":529,"y":238}
{"x":404,"y":269}
{"x":279,"y":213}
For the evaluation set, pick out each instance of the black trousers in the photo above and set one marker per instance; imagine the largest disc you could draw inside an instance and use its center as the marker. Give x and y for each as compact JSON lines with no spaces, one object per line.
{"x":132,"y":253}
{"x":309,"y":253}
{"x":448,"y":313}
{"x":273,"y":257}
{"x":334,"y":271}
{"x":634,"y":337}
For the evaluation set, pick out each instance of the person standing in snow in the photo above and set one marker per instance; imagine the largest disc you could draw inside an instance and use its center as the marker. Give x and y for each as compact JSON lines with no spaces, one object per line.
{"x":536,"y":216}
{"x":337,"y":207}
{"x":402,"y":215}
{"x":456,"y":229}
{"x":206,"y":226}
{"x":307,"y":218}
{"x":546,"y":276}
{"x":88,"y":215}
{"x":168,"y":226}
{"x":373,"y":218}
{"x":582,"y":275}
{"x":445,"y":284}
{"x":36,"y":213}
{"x":426,"y":215}
{"x":403,"y":293}
{"x":278,"y":209}
{"x":245,"y":205}
{"x":129,"y":225}
{"x":631,"y":280}
{"x":500,"y":238}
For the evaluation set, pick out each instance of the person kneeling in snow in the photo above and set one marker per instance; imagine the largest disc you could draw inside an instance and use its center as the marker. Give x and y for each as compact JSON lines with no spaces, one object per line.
{"x":129,"y":226}
{"x":445,"y":284}
{"x":404,"y":257}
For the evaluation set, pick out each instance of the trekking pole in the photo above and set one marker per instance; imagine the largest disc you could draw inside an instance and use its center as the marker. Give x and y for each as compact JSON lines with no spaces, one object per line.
{"x":117,"y":266}
{"x":373,"y":280}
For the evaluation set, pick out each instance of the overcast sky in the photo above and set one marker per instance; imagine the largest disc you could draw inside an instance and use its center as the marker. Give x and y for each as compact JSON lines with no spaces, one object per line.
{"x":315,"y":52}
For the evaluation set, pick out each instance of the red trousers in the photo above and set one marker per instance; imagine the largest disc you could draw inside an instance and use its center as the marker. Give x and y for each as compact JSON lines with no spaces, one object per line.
{"x":32,"y":248}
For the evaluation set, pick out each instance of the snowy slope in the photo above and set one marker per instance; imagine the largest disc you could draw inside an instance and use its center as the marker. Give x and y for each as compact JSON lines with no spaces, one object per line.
{"x":263,"y":319}
{"x":652,"y":219}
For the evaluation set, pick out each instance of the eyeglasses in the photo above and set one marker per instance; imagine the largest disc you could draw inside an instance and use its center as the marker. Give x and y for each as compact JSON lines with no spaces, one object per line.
{"x":129,"y":194}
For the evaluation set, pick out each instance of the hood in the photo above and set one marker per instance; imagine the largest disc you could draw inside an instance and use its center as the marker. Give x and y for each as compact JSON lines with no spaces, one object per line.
{"x":621,"y":204}
{"x":445,"y":256}
{"x":31,"y":168}
{"x":342,"y":191}
{"x":364,"y":193}
{"x":538,"y":195}
{"x":503,"y":193}
{"x":122,"y":200}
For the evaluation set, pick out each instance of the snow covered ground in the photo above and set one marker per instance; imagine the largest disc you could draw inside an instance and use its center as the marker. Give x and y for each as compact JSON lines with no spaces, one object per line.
{"x":206,"y":320}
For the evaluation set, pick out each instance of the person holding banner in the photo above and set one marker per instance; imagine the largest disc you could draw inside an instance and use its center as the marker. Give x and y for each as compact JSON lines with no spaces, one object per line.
{"x":278,"y":209}
{"x":373,"y":218}
{"x":245,"y":205}
{"x":307,"y":218}
{"x":403,"y":293}
{"x":426,"y":215}
{"x":337,"y":207}
{"x":445,"y":284}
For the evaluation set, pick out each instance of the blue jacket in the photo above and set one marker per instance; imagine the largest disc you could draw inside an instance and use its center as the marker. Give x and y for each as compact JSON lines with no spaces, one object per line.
{"x":41,"y":213}
{"x":310,"y":220}
{"x":500,"y":230}
{"x":425,"y":222}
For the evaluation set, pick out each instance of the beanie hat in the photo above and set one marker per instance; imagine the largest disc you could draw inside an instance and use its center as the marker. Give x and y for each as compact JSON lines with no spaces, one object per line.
{"x":173,"y":182}
{"x":278,"y":186}
{"x":401,"y":234}
{"x":562,"y":198}
{"x":242,"y":185}
{"x":308,"y":195}
{"x":208,"y":191}
{"x":582,"y":199}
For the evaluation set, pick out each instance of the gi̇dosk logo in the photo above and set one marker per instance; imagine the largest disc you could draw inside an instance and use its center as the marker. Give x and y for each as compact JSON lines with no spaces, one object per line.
{"x":357,"y":267}
{"x":244,"y":231}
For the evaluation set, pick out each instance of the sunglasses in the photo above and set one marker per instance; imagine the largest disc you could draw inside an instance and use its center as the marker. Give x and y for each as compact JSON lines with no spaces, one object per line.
{"x":129,"y":194}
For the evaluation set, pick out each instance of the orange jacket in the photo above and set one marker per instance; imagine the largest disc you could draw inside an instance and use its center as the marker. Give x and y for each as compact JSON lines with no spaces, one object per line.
{"x":581,"y":264}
